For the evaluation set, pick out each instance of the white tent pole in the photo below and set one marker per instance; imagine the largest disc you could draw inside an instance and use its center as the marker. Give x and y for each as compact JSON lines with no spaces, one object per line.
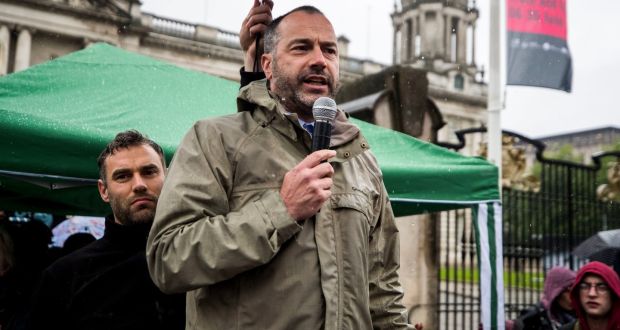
{"x":495,"y":102}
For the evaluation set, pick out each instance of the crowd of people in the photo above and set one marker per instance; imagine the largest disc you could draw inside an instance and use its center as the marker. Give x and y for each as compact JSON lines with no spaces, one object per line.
{"x":587,"y":300}
{"x":249,"y":228}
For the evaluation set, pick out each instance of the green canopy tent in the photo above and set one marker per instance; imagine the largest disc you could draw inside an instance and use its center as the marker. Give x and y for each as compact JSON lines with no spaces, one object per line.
{"x":56,"y":117}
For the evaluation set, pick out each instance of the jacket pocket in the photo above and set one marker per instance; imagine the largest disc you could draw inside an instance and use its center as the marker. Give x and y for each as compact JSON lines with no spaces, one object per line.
{"x":353,"y":201}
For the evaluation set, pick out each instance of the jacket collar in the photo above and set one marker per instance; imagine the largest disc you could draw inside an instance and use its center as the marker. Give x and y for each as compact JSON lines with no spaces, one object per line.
{"x":271,"y":112}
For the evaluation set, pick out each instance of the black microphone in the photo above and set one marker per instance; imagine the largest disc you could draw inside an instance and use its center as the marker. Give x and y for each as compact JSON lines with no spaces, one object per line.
{"x":324,"y":111}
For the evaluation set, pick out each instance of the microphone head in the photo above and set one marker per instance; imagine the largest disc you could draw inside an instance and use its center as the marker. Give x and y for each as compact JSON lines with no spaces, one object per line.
{"x":324,"y":109}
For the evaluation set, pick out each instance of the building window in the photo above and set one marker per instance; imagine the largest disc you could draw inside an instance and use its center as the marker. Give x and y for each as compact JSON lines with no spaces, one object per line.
{"x":459,"y":82}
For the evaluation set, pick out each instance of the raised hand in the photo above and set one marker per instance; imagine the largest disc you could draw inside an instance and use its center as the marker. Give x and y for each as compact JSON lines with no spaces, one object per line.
{"x":254,"y":24}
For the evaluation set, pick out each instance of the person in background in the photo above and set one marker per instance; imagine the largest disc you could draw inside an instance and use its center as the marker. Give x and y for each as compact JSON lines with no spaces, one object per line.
{"x":596,"y":298}
{"x":77,"y":241}
{"x":27,"y":255}
{"x":106,"y":284}
{"x":554,"y":309}
{"x":7,"y":261}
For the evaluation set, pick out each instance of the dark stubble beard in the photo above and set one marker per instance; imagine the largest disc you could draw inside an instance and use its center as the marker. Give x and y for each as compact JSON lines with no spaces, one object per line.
{"x":289,"y":89}
{"x":123,"y":213}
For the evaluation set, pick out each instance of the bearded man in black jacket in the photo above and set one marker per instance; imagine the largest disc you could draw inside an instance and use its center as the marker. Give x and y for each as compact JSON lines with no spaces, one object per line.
{"x":106,"y":285}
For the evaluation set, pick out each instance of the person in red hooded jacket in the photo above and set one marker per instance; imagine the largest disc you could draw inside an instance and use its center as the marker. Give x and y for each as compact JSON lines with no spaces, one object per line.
{"x":596,"y":298}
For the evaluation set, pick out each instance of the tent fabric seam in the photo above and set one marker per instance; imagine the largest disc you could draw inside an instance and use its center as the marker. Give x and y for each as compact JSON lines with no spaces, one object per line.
{"x":438,"y":201}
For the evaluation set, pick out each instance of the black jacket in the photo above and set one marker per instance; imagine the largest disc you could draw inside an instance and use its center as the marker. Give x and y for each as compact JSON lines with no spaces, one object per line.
{"x":106,"y":285}
{"x":570,"y":326}
{"x":534,"y":318}
{"x":537,"y":318}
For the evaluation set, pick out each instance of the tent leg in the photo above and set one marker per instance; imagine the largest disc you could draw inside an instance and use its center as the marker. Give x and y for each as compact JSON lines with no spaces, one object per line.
{"x":488,"y":219}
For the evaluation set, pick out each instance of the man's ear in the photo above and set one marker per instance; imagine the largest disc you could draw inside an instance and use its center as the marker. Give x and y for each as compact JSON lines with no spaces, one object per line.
{"x":103,"y":191}
{"x":265,"y":62}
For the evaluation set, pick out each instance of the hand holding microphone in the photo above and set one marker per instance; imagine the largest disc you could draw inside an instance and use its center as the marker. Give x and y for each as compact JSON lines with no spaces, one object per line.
{"x":324,"y":112}
{"x":308,"y":185}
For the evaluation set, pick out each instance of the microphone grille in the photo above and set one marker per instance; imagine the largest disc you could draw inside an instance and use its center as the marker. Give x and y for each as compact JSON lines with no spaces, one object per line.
{"x":324,"y":109}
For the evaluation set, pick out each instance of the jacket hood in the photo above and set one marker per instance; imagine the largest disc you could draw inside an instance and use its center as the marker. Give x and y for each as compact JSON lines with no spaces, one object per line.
{"x":558,"y":279}
{"x":611,"y":279}
{"x":257,"y":93}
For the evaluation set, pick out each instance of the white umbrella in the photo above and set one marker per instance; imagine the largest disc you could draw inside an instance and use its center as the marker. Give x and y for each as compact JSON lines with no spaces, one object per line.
{"x":77,"y":224}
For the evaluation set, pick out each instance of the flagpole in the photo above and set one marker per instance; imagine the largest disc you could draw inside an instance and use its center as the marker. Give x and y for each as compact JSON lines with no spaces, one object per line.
{"x":495,"y":102}
{"x":492,"y":301}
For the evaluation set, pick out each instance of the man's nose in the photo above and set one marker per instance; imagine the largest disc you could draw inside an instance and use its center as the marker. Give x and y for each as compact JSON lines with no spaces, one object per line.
{"x":138,"y":183}
{"x":318,"y":58}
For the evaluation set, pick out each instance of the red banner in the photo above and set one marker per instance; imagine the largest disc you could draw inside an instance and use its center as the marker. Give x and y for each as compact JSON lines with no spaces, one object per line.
{"x":546,"y":17}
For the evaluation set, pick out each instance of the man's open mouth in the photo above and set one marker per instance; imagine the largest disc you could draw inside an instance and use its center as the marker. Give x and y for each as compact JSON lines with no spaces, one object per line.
{"x":316,"y":80}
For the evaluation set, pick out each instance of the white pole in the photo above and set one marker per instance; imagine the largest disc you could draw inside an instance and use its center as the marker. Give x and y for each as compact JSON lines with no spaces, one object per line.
{"x":495,"y":102}
{"x":494,"y":136}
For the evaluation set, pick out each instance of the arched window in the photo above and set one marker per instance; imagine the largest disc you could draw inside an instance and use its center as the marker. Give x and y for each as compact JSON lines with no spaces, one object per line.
{"x":459,"y":81}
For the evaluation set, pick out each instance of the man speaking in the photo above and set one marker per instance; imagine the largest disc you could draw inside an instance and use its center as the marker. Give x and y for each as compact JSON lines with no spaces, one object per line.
{"x":262,"y":232}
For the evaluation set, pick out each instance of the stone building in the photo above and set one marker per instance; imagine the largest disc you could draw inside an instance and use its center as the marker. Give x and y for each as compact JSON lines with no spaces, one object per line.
{"x":35,"y":31}
{"x":585,"y":143}
{"x":439,"y":36}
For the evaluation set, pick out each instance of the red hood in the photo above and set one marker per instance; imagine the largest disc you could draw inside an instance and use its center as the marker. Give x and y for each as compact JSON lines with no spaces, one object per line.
{"x":611,"y":278}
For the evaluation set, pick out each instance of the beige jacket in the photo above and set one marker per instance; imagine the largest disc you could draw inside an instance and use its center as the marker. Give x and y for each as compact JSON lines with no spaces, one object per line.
{"x":223,"y":234}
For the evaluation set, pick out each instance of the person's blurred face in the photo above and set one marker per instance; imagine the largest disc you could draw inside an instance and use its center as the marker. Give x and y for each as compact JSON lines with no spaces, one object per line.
{"x":595,"y":296}
{"x":134,"y":178}
{"x":304,"y":65}
{"x":564,"y":300}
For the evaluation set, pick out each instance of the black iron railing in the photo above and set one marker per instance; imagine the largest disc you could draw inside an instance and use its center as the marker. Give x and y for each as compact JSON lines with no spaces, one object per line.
{"x":540,"y":229}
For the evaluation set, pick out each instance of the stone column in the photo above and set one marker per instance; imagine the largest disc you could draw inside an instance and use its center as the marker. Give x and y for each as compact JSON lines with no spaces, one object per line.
{"x":424,"y":40}
{"x":461,"y":41}
{"x":438,"y":39}
{"x":419,"y":272}
{"x":473,"y":43}
{"x":343,"y":46}
{"x":447,"y":37}
{"x":5,"y":43}
{"x":22,"y":51}
{"x":395,"y":57}
{"x":412,"y":40}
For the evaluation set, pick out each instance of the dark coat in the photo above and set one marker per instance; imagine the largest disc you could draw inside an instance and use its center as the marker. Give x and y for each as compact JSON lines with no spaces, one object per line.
{"x":571,"y":326}
{"x":533,"y":319}
{"x":106,"y":285}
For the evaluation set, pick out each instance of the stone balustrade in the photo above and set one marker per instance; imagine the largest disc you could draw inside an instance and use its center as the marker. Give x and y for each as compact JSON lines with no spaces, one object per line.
{"x":198,"y":32}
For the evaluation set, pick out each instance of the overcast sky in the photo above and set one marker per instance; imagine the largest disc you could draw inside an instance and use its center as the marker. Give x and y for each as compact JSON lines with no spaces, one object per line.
{"x":534,"y":112}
